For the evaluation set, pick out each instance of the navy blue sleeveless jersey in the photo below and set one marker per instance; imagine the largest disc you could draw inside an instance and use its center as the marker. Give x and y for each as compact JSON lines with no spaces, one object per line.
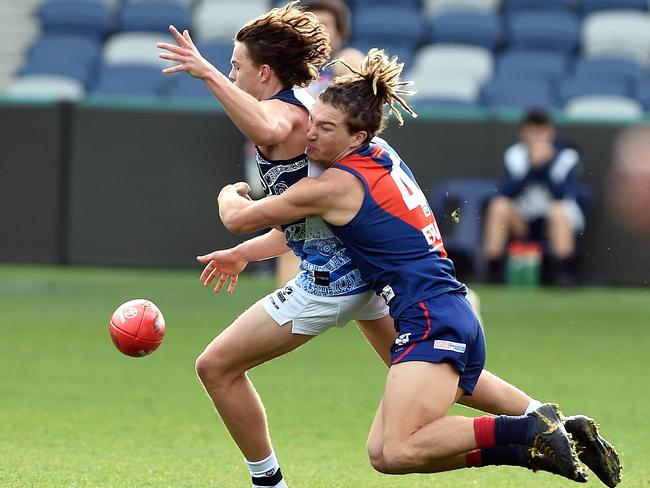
{"x":326,"y":268}
{"x":394,"y":238}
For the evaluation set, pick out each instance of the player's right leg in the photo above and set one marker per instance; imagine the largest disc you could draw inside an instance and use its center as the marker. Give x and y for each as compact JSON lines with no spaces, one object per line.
{"x":252,"y":339}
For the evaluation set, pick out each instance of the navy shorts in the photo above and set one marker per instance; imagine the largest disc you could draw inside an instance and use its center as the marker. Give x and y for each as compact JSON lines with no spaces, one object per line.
{"x":442,"y":329}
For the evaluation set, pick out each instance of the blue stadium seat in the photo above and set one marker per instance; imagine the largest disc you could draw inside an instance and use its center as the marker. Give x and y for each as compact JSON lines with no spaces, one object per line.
{"x":405,"y":3}
{"x":75,"y":16}
{"x":130,"y":80}
{"x":81,"y":49}
{"x":463,"y":239}
{"x":539,"y":29}
{"x":81,"y":73}
{"x":440,"y":103}
{"x":516,"y":5}
{"x":577,"y":87}
{"x":506,"y":92}
{"x":588,"y":6}
{"x":475,"y":28}
{"x":72,"y":56}
{"x":405,"y":52}
{"x":218,"y":52}
{"x":153,"y":16}
{"x":387,"y":25}
{"x":608,"y":68}
{"x":188,"y":87}
{"x":524,"y":64}
{"x":643,"y":94}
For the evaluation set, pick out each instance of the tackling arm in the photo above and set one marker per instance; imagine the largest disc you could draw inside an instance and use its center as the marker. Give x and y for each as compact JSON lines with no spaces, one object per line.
{"x":329,"y":196}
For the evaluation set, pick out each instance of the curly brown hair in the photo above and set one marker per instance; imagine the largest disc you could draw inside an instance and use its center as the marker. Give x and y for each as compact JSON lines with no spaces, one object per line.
{"x":292,"y":42}
{"x":337,"y":8}
{"x":362,"y":94}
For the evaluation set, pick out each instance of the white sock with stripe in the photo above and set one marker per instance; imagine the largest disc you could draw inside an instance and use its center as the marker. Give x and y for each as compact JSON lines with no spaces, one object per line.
{"x":532,"y":406}
{"x":266,"y":473}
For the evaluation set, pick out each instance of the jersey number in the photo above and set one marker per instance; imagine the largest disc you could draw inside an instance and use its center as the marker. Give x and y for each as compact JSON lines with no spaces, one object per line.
{"x":411,"y":193}
{"x":413,"y":198}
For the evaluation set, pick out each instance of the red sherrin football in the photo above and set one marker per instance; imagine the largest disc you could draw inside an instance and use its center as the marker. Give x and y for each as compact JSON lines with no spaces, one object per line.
{"x":137,"y":327}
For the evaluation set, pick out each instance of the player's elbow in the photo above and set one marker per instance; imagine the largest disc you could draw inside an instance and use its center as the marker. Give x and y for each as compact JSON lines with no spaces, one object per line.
{"x":234,"y":225}
{"x":238,"y":224}
{"x":231,"y":222}
{"x":265,"y":138}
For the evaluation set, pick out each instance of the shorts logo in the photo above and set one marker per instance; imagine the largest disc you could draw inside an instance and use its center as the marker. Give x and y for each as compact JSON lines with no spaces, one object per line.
{"x":403,"y":339}
{"x":388,"y":293}
{"x":288,"y":290}
{"x":449,"y":346}
{"x":281,"y":297}
{"x":273,"y":303}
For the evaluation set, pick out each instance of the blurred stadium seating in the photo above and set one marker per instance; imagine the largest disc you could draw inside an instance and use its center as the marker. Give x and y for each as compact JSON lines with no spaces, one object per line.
{"x":585,"y":56}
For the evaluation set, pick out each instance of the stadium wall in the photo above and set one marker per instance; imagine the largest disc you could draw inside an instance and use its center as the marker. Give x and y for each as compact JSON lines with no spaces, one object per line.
{"x":128,"y":184}
{"x":31,"y":175}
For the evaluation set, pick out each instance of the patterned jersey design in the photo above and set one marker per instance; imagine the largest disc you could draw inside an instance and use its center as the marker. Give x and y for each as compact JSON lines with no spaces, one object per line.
{"x":394,"y":238}
{"x":327,"y":270}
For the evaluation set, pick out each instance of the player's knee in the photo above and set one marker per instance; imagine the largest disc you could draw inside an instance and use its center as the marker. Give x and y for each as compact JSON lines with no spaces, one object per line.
{"x":202,"y":367}
{"x":376,"y":457}
{"x":212,"y":368}
{"x":397,"y":458}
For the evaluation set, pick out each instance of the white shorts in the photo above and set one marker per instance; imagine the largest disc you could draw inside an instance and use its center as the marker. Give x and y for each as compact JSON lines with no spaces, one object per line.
{"x":573,"y":212}
{"x":313,"y":314}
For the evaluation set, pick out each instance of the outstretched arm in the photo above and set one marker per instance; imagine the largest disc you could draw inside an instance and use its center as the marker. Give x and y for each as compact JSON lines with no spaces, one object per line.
{"x":265,"y":123}
{"x":228,"y":263}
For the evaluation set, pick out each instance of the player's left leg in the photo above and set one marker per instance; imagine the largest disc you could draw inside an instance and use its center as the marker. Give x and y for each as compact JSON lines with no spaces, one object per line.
{"x":416,"y":432}
{"x":440,"y":356}
{"x":417,"y":437}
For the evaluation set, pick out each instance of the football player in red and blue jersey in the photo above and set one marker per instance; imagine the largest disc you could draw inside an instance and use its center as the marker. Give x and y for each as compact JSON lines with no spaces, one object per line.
{"x":373,"y":204}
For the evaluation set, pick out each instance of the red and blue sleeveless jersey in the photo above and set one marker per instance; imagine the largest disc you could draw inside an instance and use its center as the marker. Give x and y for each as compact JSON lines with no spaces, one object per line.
{"x":394,"y":239}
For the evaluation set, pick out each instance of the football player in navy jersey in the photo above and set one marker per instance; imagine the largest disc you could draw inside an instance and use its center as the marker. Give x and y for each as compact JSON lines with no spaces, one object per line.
{"x":276,"y":56}
{"x":373,"y":204}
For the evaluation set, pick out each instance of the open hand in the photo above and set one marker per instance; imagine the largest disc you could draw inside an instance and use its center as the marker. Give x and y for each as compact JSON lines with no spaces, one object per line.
{"x":223,"y":266}
{"x":185,"y":54}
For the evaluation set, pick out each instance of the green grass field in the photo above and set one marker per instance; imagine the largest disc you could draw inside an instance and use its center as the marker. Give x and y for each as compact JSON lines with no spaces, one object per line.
{"x":76,"y":413}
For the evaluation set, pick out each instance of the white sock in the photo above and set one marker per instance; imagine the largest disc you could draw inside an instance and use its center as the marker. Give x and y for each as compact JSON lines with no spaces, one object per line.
{"x":264,"y":471}
{"x":533,"y":405}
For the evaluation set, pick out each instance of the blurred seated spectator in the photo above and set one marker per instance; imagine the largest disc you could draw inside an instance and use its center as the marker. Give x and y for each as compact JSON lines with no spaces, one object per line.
{"x":537,"y":200}
{"x":335,"y":16}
